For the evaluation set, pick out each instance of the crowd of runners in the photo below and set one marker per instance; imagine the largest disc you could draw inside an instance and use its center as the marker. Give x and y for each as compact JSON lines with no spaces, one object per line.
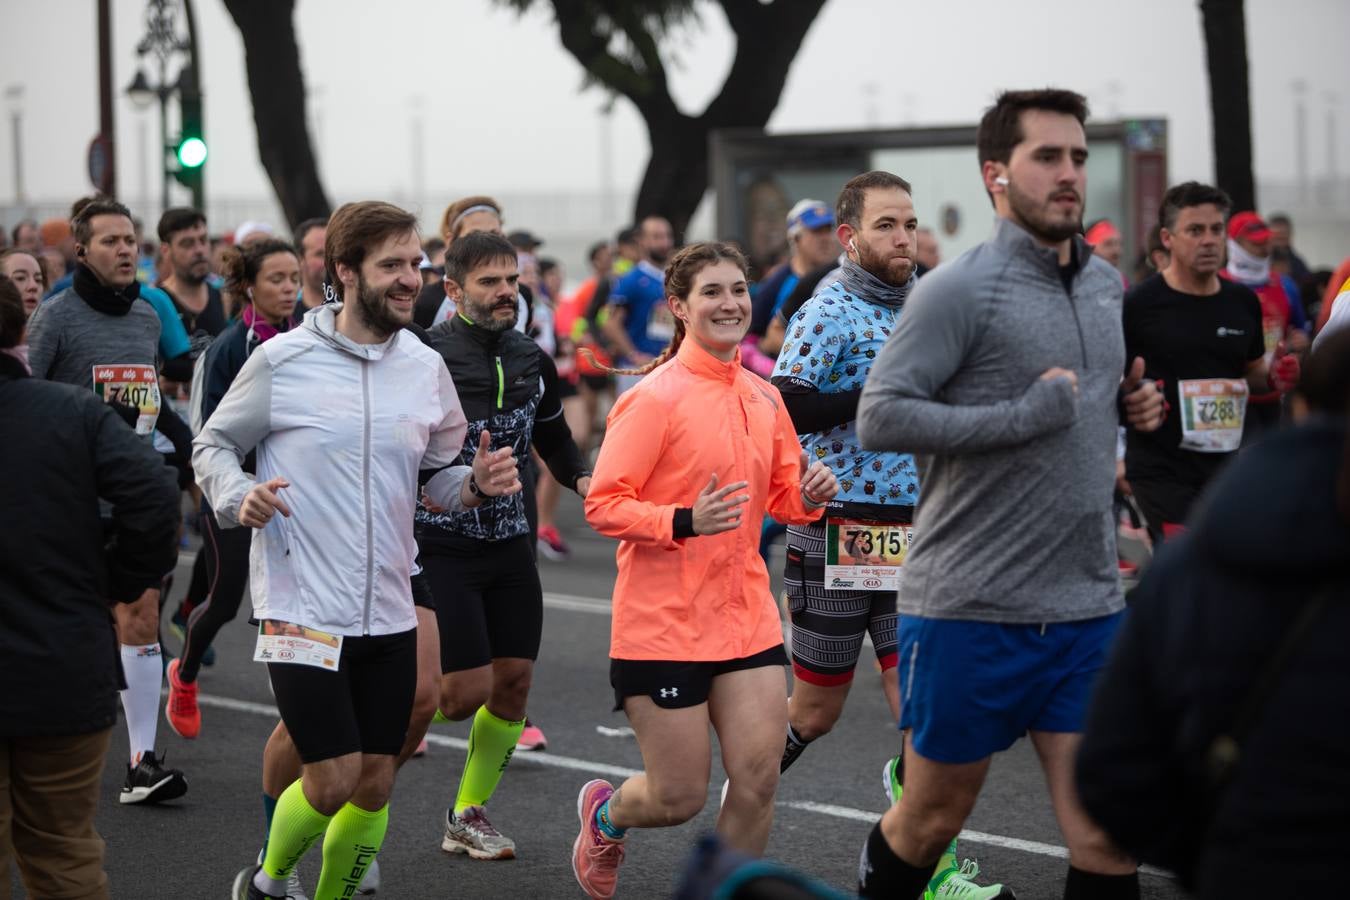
{"x":372,"y":428}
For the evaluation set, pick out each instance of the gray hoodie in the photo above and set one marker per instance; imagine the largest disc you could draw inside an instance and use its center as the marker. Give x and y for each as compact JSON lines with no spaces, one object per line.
{"x":1014,"y":523}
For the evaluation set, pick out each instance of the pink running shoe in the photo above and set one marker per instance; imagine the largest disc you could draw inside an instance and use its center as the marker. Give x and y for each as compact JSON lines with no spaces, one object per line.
{"x":595,"y":858}
{"x":421,"y":748}
{"x":532,"y":738}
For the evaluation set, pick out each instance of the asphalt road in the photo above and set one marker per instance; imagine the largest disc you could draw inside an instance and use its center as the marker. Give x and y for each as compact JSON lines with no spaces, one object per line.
{"x":826,"y":804}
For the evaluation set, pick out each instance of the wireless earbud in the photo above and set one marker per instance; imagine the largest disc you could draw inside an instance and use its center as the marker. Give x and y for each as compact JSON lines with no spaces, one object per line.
{"x":1001,"y":180}
{"x":852,"y":246}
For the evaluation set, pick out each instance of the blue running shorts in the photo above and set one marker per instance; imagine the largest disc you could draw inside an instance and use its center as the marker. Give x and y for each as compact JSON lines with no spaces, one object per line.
{"x":971,"y":689}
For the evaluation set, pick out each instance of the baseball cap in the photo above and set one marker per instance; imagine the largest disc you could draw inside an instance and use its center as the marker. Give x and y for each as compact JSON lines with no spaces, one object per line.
{"x":524,"y":240}
{"x":808,"y":215}
{"x":1250,"y":226}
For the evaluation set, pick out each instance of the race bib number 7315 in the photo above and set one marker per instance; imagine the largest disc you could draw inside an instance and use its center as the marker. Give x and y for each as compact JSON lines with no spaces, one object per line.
{"x":867,"y":556}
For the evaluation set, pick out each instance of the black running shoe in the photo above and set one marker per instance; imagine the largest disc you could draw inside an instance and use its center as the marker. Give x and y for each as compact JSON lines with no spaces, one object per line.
{"x":150,"y":782}
{"x":244,"y":888}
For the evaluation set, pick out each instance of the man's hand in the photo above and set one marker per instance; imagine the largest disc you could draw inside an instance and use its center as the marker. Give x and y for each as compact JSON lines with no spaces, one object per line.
{"x":1144,"y":406}
{"x":1069,"y":374}
{"x":494,"y":471}
{"x":714,"y":511}
{"x":1284,"y":370}
{"x":262,"y":502}
{"x":583,"y":486}
{"x":818,"y":482}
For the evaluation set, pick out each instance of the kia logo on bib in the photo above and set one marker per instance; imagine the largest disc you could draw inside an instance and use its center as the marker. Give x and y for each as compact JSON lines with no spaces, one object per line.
{"x":872,"y":583}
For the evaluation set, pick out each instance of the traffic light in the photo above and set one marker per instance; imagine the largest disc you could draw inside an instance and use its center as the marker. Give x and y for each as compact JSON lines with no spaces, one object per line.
{"x":191,"y":148}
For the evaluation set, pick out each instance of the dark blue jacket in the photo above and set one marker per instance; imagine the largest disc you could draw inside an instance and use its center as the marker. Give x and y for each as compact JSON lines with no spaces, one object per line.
{"x":1209,"y":613}
{"x":63,"y":449}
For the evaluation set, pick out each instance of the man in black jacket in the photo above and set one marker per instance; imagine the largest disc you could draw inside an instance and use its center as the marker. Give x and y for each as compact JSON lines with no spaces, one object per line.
{"x":59,"y":573}
{"x":480,"y":563}
{"x":1271,"y":533}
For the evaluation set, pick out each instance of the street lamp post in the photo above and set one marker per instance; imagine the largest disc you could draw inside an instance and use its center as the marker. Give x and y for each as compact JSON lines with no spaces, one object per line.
{"x":162,"y":41}
{"x":14,"y":99}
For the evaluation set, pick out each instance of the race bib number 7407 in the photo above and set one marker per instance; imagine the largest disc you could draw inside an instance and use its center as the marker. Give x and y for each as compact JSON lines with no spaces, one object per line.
{"x":131,"y":385}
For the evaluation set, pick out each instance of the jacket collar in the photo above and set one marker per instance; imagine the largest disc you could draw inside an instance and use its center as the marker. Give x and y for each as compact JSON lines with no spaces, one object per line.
{"x":322,"y":321}
{"x":477,"y":333}
{"x":704,"y":364}
{"x":1017,"y":241}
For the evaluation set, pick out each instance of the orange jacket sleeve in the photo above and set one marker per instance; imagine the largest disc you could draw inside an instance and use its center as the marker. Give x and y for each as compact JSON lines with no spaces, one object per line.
{"x":784,"y":502}
{"x":635,"y":438}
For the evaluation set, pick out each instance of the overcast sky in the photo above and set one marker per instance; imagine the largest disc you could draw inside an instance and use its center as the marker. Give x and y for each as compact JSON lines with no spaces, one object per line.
{"x":503,"y":108}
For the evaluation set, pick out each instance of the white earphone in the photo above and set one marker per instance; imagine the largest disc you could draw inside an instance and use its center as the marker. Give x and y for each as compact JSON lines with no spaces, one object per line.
{"x":249,"y":291}
{"x":1001,"y":180}
{"x":852,"y":246}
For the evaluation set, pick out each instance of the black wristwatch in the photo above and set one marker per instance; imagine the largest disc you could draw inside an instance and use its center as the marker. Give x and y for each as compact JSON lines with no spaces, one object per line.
{"x":474,"y":489}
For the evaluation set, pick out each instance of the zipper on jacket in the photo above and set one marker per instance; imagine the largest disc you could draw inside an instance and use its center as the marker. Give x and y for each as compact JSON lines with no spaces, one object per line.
{"x":501,"y":383}
{"x":1082,"y":344}
{"x":365,"y":486}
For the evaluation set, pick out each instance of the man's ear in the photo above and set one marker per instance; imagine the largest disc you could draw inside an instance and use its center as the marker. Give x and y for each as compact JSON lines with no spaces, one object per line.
{"x":452,"y":288}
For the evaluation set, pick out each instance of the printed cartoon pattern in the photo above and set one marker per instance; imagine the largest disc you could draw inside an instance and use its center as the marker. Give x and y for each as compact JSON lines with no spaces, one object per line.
{"x":496,"y":518}
{"x":831,"y":344}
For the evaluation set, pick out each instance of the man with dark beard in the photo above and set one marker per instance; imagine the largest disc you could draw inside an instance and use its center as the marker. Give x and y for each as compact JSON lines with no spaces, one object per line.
{"x":480,"y":563}
{"x":347,"y":413}
{"x":183,"y":240}
{"x":841,"y":571}
{"x":1011,"y":594}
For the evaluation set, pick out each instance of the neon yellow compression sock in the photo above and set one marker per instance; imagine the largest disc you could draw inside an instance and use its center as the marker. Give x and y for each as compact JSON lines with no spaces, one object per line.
{"x":295,"y":827}
{"x":354,"y":838}
{"x":491,"y":743}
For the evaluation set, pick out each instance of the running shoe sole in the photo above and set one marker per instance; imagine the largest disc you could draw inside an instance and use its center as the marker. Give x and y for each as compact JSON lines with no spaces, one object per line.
{"x":582,"y":831}
{"x":171,"y":787}
{"x":450,"y":845}
{"x":239,"y":889}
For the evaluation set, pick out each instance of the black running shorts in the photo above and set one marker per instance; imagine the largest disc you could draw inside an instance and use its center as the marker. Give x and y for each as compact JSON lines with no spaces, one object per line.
{"x":421,"y":591}
{"x":676,"y":685}
{"x":828,"y":626}
{"x":489,"y":604}
{"x":363,"y":707}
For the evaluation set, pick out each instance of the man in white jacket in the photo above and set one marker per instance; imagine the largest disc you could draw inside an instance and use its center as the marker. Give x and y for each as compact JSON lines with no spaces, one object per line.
{"x":347,"y":414}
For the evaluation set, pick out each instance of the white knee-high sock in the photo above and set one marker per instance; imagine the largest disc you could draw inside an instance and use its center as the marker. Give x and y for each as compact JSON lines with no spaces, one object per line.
{"x":140,"y":701}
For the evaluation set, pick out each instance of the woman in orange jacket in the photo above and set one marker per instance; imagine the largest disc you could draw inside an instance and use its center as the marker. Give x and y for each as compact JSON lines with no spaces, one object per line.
{"x":693,"y":458}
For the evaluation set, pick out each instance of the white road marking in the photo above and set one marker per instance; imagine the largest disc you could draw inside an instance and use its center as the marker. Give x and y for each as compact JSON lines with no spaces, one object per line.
{"x":554,"y":761}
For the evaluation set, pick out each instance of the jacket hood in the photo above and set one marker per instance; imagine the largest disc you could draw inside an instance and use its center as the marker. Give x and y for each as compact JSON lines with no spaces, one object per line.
{"x":1273,"y":511}
{"x":322,"y":321}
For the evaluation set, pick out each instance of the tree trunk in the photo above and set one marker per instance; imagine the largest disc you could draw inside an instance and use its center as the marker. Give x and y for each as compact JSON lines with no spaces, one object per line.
{"x":1226,"y":48}
{"x":277,"y":86}
{"x":768,"y":36}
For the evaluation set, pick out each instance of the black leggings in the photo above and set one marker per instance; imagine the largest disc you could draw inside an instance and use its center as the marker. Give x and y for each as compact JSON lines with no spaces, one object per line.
{"x":226,"y":552}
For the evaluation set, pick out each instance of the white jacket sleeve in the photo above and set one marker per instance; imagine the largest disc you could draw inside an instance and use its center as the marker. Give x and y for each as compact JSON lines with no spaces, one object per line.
{"x":238,"y":425}
{"x":444,"y":447}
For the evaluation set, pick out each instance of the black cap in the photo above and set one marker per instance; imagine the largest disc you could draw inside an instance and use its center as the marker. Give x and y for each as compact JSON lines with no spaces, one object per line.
{"x":524,"y":240}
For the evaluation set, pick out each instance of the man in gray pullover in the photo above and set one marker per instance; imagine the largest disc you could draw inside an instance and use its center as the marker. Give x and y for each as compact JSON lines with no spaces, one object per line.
{"x":1004,"y":377}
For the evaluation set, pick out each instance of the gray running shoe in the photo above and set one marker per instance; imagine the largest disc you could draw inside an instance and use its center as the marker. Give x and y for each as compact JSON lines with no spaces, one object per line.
{"x":370,"y":884}
{"x":470,"y":832}
{"x":293,"y":889}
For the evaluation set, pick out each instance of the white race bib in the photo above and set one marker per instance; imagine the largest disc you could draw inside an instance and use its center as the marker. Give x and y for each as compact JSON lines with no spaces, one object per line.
{"x":131,"y":384}
{"x":1212,"y":413}
{"x":283,"y":642}
{"x":865,"y":556}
